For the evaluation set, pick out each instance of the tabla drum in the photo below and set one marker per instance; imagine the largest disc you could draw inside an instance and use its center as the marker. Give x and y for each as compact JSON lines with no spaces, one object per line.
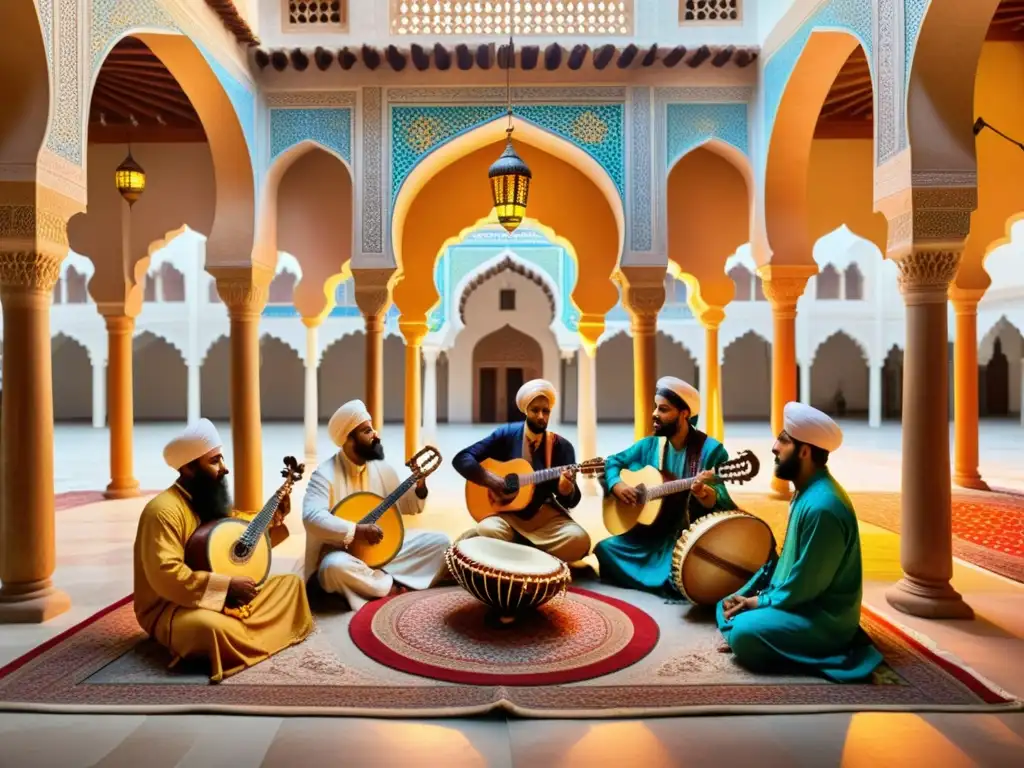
{"x":718,"y":554}
{"x":511,"y":578}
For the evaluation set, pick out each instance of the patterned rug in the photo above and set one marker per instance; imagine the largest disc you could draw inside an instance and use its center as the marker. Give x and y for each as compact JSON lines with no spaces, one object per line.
{"x":106,"y":665}
{"x":447,"y":634}
{"x":988,"y":528}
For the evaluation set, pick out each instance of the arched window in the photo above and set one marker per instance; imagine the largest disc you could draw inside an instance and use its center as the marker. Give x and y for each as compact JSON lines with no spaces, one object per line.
{"x":828,"y":284}
{"x":743,"y":280}
{"x":854,"y":283}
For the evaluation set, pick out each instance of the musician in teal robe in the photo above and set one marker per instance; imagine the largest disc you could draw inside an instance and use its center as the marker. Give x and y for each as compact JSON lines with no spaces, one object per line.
{"x":642,"y":557}
{"x":802,"y":613}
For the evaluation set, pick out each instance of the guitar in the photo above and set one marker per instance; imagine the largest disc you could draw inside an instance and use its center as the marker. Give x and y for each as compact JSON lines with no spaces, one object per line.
{"x":653,"y":486}
{"x":366,"y":508}
{"x":520,"y":480}
{"x":235,"y":547}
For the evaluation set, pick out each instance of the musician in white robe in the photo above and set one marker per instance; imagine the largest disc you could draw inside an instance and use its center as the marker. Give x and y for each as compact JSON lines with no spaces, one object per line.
{"x":359,"y":465}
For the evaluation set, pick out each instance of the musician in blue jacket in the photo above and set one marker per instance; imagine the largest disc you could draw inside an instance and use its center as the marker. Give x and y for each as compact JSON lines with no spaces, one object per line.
{"x":545,"y":523}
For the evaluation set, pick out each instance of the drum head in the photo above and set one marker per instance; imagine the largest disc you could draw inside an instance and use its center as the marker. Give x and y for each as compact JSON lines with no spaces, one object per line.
{"x":721,"y":559}
{"x":509,"y":557}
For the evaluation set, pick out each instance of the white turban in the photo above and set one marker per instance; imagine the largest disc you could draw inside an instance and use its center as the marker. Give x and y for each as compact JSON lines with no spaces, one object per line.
{"x":811,"y":426}
{"x":345,"y":419}
{"x":683,"y":391}
{"x":198,"y":439}
{"x":531,"y":390}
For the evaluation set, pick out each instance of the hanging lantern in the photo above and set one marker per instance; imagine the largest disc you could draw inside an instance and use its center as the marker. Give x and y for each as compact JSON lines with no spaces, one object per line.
{"x":510,"y":182}
{"x":130,"y":179}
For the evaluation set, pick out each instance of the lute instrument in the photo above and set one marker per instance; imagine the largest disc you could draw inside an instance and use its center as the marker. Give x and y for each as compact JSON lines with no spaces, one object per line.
{"x":241,"y":548}
{"x":366,"y":508}
{"x":521,"y":480}
{"x":653,"y":485}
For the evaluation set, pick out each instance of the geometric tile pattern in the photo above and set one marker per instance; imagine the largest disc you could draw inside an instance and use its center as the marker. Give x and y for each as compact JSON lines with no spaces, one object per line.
{"x":690,"y":125}
{"x":331,"y":128}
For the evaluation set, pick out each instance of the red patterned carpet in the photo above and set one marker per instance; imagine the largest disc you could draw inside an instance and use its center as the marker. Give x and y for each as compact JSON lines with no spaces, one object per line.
{"x":107,"y":665}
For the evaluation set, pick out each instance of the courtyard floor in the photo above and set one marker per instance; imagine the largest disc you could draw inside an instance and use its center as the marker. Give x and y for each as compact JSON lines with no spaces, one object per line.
{"x":94,"y":567}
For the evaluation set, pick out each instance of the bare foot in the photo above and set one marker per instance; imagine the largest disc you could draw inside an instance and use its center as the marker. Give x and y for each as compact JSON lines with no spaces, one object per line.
{"x":724,"y":648}
{"x":397,"y":589}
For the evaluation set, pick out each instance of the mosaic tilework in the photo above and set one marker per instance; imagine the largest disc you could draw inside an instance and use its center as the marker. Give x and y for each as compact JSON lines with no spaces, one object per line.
{"x":854,"y":16}
{"x":913,"y":18}
{"x":690,"y":125}
{"x":373,"y":175}
{"x":596,"y":129}
{"x":46,"y":23}
{"x":640,"y":227}
{"x":112,"y":18}
{"x":331,"y":128}
{"x":242,"y":98}
{"x":65,"y":136}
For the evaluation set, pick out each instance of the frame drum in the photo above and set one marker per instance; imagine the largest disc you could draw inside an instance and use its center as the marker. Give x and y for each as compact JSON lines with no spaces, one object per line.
{"x":719,"y":554}
{"x":511,"y":578}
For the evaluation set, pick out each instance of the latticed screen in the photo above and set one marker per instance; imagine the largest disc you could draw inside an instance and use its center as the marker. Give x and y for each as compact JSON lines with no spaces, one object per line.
{"x":710,"y":10}
{"x":316,"y":13}
{"x":520,"y":17}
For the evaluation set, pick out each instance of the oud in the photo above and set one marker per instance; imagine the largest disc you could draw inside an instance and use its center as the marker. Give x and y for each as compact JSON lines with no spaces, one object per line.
{"x":366,"y":508}
{"x":236,"y":547}
{"x":652,"y":486}
{"x":520,"y":482}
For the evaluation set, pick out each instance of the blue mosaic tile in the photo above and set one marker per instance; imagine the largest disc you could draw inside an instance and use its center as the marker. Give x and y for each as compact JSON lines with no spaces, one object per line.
{"x":596,"y":129}
{"x":913,"y":18}
{"x":690,"y":125}
{"x":330,"y":128}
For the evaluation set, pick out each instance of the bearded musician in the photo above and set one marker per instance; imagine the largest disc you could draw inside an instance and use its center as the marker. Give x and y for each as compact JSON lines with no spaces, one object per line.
{"x":192,"y":613}
{"x":642,"y":557}
{"x":358,"y":466}
{"x":545,"y":523}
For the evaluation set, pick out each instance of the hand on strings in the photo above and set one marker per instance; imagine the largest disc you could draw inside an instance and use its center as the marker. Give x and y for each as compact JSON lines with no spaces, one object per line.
{"x":705,"y":494}
{"x":566,"y":481}
{"x":626,"y":493}
{"x":370,"y":534}
{"x":284,"y":507}
{"x":499,"y":493}
{"x":742,"y":604}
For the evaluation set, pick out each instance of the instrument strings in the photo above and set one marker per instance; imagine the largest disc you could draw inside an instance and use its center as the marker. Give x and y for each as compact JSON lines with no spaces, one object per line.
{"x":255,"y":529}
{"x":385,"y":505}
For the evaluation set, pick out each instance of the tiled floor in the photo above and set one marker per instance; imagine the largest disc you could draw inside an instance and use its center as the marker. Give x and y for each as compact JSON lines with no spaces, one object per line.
{"x":94,"y":566}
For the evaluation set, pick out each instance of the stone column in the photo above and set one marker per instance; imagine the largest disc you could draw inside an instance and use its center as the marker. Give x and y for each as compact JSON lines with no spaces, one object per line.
{"x":783,"y":286}
{"x":430,"y":355}
{"x":590,"y":330}
{"x":875,"y":396}
{"x":805,"y":382}
{"x":713,"y":417}
{"x":244,"y":292}
{"x":194,"y":391}
{"x":414,"y":332}
{"x":965,"y":389}
{"x":311,"y":410}
{"x":373,"y":298}
{"x":643,"y":296}
{"x":120,"y":404}
{"x":99,"y":392}
{"x":33,"y":241}
{"x":926,"y":549}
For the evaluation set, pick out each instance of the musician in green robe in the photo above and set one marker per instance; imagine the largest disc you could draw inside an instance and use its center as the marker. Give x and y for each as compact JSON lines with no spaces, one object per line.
{"x":802,"y":612}
{"x":641,"y":558}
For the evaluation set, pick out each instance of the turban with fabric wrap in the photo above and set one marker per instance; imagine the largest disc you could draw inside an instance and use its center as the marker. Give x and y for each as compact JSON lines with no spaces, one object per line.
{"x":811,"y":426}
{"x":345,"y":419}
{"x":686,"y":394}
{"x":533,"y":389}
{"x":198,"y":439}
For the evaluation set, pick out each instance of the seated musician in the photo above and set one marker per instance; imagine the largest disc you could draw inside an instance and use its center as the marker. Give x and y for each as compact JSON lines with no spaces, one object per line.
{"x":642,"y":557}
{"x":545,"y":522}
{"x":358,"y":466}
{"x":193,"y":613}
{"x":803,"y":611}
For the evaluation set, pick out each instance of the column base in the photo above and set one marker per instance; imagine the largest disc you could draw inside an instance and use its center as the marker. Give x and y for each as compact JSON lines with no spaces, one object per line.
{"x":781,"y":489}
{"x":33,"y":607}
{"x":972,"y":481}
{"x":123,"y":489}
{"x":937,"y":600}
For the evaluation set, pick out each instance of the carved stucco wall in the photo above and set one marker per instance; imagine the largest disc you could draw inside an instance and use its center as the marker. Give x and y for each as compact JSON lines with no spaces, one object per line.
{"x":323,"y":117}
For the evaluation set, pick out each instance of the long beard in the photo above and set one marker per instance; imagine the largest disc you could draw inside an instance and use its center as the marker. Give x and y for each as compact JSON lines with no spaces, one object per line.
{"x":666,"y":428}
{"x":536,"y":428}
{"x":789,"y":468}
{"x":372,"y":452}
{"x":211,"y":498}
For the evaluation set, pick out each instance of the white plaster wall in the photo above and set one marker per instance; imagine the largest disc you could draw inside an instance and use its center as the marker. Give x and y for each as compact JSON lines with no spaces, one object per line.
{"x":1013,"y":348}
{"x":532,"y":316}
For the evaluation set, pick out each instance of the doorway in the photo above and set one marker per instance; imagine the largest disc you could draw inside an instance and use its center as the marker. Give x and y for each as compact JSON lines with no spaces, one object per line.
{"x":502,"y":362}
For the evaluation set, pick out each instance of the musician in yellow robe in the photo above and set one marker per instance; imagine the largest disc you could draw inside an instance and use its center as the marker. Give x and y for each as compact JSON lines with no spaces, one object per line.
{"x":195,"y":614}
{"x":359,"y":466}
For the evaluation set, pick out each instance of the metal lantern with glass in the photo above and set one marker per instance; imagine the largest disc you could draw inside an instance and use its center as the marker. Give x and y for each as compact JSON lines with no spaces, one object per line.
{"x":510,"y":176}
{"x":130,"y":179}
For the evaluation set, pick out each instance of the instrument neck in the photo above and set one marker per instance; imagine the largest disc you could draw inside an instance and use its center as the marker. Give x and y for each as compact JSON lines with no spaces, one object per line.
{"x":389,"y":501}
{"x":543,"y":475}
{"x":258,"y":526}
{"x":671,"y":487}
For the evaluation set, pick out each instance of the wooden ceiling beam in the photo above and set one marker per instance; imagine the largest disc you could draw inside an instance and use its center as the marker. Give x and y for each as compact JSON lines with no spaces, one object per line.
{"x":442,"y":58}
{"x":171,"y":92}
{"x":626,"y":56}
{"x":578,"y":56}
{"x":603,"y":56}
{"x":150,"y":102}
{"x":420,"y":57}
{"x":323,"y":58}
{"x":529,"y":55}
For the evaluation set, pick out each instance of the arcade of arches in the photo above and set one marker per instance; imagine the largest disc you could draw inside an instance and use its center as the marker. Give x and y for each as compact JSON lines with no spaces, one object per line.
{"x":747,"y":253}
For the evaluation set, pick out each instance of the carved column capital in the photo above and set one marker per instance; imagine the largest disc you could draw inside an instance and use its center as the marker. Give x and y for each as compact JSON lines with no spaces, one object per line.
{"x":784,"y":284}
{"x":965,"y":300}
{"x":925,"y":274}
{"x":373,"y":292}
{"x":712,"y":317}
{"x":414,"y":331}
{"x":119,"y":324}
{"x":590,"y":329}
{"x":28,"y":272}
{"x":244,"y":290}
{"x":943,"y":204}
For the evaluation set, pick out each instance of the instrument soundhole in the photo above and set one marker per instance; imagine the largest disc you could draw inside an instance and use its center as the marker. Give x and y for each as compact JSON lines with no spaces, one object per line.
{"x":512,"y":483}
{"x":241,"y":551}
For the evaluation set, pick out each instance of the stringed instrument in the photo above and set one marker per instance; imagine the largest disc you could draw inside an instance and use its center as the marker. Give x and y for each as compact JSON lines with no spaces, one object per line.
{"x":366,"y":508}
{"x":239,"y":548}
{"x":520,"y":481}
{"x":652,"y":486}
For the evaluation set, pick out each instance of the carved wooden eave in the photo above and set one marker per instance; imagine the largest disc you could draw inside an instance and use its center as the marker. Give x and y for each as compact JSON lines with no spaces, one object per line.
{"x":233,"y":21}
{"x":464,"y":57}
